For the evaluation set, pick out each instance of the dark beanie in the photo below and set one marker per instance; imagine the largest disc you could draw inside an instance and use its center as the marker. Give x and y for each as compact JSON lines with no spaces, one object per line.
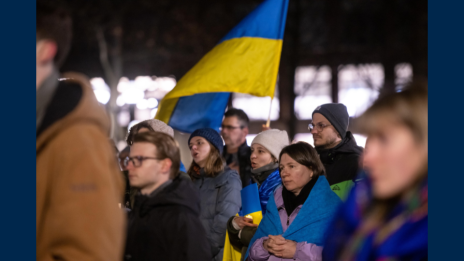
{"x":211,"y":136}
{"x":337,"y":115}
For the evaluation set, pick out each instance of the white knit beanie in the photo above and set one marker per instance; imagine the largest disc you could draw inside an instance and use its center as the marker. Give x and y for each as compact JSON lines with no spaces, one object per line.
{"x":160,"y":126}
{"x":273,"y":140}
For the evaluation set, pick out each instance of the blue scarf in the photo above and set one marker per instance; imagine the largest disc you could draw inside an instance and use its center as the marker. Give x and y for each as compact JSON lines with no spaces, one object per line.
{"x":311,"y":223}
{"x":267,"y":187}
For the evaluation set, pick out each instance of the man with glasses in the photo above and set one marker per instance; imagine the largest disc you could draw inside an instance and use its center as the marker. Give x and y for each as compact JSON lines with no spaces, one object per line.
{"x":336,"y":146}
{"x":236,"y":152}
{"x":164,"y":224}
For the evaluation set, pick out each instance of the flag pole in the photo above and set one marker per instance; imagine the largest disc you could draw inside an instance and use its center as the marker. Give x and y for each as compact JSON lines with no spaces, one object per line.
{"x":268,"y":123}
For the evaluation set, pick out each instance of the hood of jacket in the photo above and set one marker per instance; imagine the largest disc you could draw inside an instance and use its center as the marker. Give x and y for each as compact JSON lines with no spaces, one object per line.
{"x":181,"y":192}
{"x":73,"y":102}
{"x":347,"y":146}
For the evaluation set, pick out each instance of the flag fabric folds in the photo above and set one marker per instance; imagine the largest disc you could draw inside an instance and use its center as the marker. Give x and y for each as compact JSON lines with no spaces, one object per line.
{"x":246,"y":60}
{"x":250,"y":206}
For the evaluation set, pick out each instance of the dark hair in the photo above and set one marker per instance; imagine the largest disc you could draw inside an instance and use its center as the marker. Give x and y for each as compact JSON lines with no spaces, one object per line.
{"x":306,"y":155}
{"x":214,"y":164}
{"x":135,"y":129}
{"x":54,"y":23}
{"x":166,"y":148}
{"x":240,"y":114}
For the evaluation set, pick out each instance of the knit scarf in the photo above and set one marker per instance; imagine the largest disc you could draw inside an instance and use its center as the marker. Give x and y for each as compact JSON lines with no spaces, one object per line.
{"x":291,"y":202}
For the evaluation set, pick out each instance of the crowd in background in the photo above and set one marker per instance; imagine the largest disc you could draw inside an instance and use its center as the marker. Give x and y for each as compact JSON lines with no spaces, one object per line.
{"x":330,"y":201}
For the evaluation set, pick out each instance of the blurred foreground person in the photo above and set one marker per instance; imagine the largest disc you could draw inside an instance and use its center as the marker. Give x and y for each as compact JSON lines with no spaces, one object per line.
{"x":218,"y":184}
{"x":265,"y":151}
{"x":300,"y":211}
{"x":336,"y":146}
{"x":164,"y":224}
{"x":78,"y":185}
{"x":385,"y":217}
{"x":237,"y":153}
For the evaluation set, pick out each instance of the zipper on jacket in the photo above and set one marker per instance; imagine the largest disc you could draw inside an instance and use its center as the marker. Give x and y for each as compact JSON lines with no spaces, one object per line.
{"x":288,"y":221}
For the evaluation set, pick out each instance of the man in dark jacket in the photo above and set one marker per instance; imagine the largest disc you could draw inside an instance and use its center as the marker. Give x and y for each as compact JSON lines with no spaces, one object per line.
{"x":336,"y":146}
{"x":236,"y":151}
{"x":164,"y":224}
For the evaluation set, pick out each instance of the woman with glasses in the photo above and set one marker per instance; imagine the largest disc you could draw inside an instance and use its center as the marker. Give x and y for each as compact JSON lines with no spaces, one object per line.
{"x":219,"y":186}
{"x":299,"y":212}
{"x":385,"y":216}
{"x":265,"y":150}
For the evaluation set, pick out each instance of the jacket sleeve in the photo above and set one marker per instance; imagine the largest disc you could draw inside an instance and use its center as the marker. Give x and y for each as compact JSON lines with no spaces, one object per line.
{"x":83,"y":219}
{"x":233,"y":234}
{"x":308,"y":251}
{"x":257,"y":251}
{"x":227,"y":205}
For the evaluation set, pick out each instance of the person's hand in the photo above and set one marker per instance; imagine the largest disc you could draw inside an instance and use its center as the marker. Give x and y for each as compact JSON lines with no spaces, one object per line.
{"x":235,"y":166}
{"x":244,"y":222}
{"x":280,"y":247}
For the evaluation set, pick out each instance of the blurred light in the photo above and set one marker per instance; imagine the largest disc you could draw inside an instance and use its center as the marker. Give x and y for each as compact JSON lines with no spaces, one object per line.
{"x":152,"y":103}
{"x":133,"y":96}
{"x":306,"y":137}
{"x":144,"y":83}
{"x":305,"y":105}
{"x":123,"y":118}
{"x":250,"y":138}
{"x":166,"y":83}
{"x":132,"y":123}
{"x":153,"y":113}
{"x":120,"y":101}
{"x":360,"y":140}
{"x":123,"y":84}
{"x":142,"y":104}
{"x":101,"y":90}
{"x":257,"y":108}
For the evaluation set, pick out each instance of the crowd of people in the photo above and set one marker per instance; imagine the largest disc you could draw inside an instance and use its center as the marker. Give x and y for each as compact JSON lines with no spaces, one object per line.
{"x":330,"y":201}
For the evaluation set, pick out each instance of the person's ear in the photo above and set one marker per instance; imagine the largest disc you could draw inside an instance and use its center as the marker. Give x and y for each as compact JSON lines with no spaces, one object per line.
{"x":46,"y":51}
{"x":246,"y":130}
{"x":167,"y":164}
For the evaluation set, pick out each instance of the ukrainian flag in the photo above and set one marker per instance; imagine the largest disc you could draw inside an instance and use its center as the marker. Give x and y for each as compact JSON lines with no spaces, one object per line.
{"x":246,"y":60}
{"x":250,"y":206}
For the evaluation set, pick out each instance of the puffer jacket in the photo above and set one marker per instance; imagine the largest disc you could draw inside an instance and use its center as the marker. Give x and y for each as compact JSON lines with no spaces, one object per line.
{"x":219,"y":199}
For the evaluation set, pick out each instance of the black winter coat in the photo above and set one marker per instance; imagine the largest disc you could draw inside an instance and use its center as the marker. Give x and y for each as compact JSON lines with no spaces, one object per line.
{"x":244,"y":153}
{"x":167,"y":226}
{"x":341,"y":162}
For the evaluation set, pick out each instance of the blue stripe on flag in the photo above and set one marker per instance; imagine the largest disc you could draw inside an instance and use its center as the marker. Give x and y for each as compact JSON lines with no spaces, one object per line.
{"x":250,"y":199}
{"x":266,"y":21}
{"x":199,"y":111}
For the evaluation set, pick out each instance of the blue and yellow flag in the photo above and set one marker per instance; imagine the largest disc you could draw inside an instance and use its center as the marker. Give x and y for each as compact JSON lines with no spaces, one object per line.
{"x":251,"y":206}
{"x":246,"y":60}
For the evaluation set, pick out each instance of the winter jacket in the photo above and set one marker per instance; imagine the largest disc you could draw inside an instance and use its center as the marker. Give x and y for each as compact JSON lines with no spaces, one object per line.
{"x":166,"y":226}
{"x":270,"y":180}
{"x":219,"y":199}
{"x":307,"y":224}
{"x":79,"y":185}
{"x":342,"y":164}
{"x":402,"y":236}
{"x":244,"y":153}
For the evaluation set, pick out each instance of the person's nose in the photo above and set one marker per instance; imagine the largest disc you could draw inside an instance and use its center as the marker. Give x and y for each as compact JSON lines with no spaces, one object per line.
{"x":313,"y":131}
{"x":253,"y":155}
{"x":130,"y":165}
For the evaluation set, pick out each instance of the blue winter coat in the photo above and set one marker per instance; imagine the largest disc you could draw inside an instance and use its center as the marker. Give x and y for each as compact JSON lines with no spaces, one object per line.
{"x":219,"y":200}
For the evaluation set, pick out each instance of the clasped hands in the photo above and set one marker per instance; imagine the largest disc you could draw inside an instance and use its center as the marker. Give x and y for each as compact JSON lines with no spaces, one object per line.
{"x":280,"y":247}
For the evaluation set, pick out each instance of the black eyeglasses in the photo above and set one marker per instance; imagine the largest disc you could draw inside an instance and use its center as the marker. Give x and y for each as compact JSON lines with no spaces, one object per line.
{"x":318,"y":126}
{"x":136,"y":160}
{"x":229,"y":127}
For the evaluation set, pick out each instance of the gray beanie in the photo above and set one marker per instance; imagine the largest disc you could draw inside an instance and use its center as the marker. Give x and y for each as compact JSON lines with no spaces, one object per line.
{"x":337,"y":115}
{"x":273,"y":140}
{"x":160,"y":126}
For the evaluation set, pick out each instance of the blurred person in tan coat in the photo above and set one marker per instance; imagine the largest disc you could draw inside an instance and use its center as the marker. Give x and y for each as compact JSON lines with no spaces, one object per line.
{"x":78,"y":182}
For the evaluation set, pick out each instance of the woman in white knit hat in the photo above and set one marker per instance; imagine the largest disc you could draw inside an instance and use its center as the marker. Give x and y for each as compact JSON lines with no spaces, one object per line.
{"x":265,"y":150}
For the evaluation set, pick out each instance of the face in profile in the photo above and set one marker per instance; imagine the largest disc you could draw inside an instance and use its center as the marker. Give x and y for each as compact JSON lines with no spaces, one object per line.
{"x":395,"y":160}
{"x":199,"y":149}
{"x":145,"y":173}
{"x":294,"y":175}
{"x":260,"y":156}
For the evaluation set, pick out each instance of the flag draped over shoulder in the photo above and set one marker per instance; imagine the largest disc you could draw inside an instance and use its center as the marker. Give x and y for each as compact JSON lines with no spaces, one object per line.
{"x":250,"y":206}
{"x":246,"y":60}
